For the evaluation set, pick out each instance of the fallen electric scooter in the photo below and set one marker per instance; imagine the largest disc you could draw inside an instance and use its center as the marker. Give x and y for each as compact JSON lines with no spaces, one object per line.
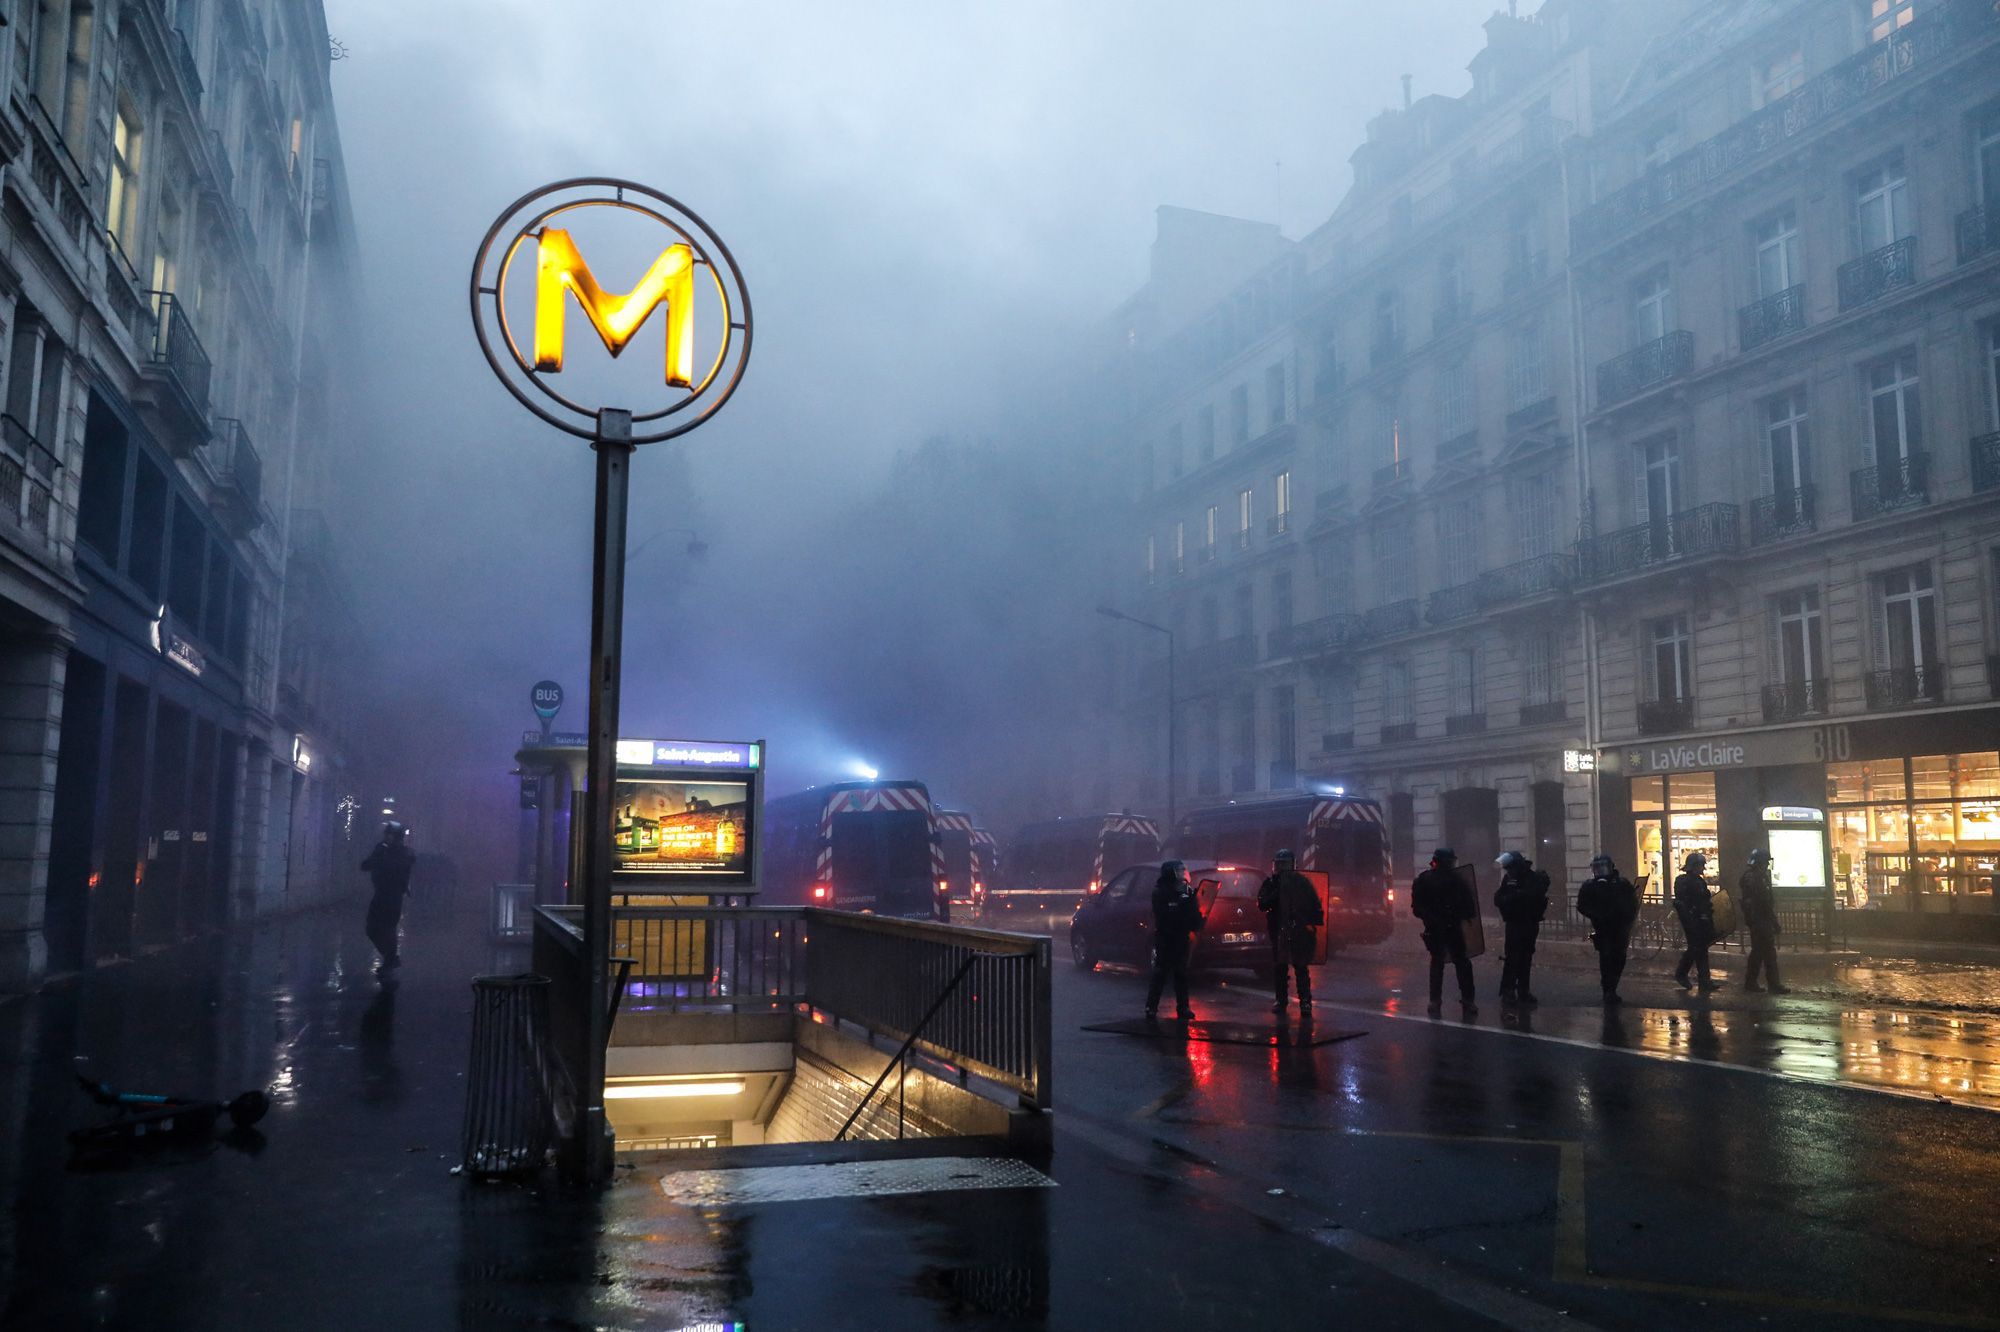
{"x":142,"y":1120}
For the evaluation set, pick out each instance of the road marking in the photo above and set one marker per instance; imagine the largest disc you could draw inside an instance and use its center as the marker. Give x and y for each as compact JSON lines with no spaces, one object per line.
{"x":1867,"y":1313}
{"x":1572,"y":1234}
{"x":1173,"y":1096}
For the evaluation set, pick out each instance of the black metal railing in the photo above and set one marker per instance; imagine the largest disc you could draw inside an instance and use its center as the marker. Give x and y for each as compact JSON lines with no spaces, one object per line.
{"x":1329,"y":633}
{"x":1932,"y":39}
{"x":1901,"y":686}
{"x":1542,"y":714}
{"x":1772,"y":318}
{"x":1782,"y":514}
{"x":1539,"y":412}
{"x":27,"y":477}
{"x":1790,"y":700}
{"x":1986,"y":461}
{"x":1396,"y":617}
{"x":1664,"y":716}
{"x":1647,"y":366}
{"x":1393,"y":473}
{"x":1459,"y":448}
{"x":1537,"y":576}
{"x":178,"y":350}
{"x":1978,"y":233}
{"x":1396,"y":733}
{"x":1465,"y":723}
{"x":1888,"y":487}
{"x":1711,"y":529}
{"x":1279,"y":523}
{"x":1453,"y":603}
{"x":241,"y":465}
{"x":1876,"y":274}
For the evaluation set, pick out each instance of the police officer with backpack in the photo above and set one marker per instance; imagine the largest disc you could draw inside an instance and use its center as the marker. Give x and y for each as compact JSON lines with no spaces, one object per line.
{"x":1292,"y":911}
{"x":1522,"y":899}
{"x":1443,"y":902}
{"x":1610,"y":902}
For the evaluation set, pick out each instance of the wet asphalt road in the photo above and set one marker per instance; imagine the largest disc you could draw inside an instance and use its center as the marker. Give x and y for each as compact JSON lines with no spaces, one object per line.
{"x":1433,"y":1174}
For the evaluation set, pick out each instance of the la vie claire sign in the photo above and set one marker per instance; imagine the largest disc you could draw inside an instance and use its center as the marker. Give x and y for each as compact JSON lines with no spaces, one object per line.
{"x":1754,"y":749}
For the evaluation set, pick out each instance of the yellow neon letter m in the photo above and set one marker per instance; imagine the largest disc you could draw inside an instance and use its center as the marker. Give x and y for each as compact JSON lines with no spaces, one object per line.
{"x":669,"y":282}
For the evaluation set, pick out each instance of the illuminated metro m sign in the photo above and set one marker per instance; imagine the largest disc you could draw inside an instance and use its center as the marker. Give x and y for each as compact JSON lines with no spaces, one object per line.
{"x":691,"y":282}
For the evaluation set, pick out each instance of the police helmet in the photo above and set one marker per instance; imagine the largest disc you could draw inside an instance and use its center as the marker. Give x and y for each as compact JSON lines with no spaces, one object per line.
{"x":1695,"y":861}
{"x":1172,"y":869}
{"x":1760,"y":856}
{"x":394,"y":830}
{"x":1285,"y":857}
{"x":1602,"y":861}
{"x":1507,"y":860}
{"x":1444,"y":855}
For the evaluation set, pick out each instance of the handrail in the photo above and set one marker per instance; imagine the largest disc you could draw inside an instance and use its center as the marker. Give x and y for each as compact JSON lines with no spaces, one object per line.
{"x":903,"y":1053}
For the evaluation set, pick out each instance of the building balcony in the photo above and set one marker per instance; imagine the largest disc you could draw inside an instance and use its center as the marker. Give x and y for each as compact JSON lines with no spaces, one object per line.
{"x":1465,"y":723}
{"x":1902,"y":484}
{"x":242,"y":490}
{"x":1460,"y":448}
{"x":1903,"y":686}
{"x":27,"y":479}
{"x":1240,"y":539}
{"x":1279,"y":524}
{"x":1986,"y":461}
{"x":1387,"y":346}
{"x":1658,"y":362}
{"x":1876,"y":274}
{"x":1666,"y":716}
{"x":1394,"y":474}
{"x":1978,"y":233}
{"x":178,"y":372}
{"x":1793,"y":699}
{"x":1782,"y":515}
{"x":1528,"y":580}
{"x":1332,"y":505}
{"x":1693,"y":534}
{"x":1544,"y":714}
{"x":1447,"y":604}
{"x":1311,"y":638}
{"x":1542,"y":411}
{"x":1206,"y":554}
{"x":1397,"y":617}
{"x":1397,"y":733}
{"x":1772,"y":318}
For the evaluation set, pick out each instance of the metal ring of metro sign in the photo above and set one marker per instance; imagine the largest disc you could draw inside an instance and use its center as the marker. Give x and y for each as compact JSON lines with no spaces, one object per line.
{"x":693,"y":258}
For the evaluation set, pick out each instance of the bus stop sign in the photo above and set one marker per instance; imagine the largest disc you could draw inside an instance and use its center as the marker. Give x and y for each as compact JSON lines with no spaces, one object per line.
{"x":547,"y":697}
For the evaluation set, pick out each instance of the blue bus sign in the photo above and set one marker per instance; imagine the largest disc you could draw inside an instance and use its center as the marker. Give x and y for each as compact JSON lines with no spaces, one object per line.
{"x":547,"y":698}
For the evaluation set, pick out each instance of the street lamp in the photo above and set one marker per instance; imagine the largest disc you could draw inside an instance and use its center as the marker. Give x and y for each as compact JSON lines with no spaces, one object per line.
{"x":1173,"y":766}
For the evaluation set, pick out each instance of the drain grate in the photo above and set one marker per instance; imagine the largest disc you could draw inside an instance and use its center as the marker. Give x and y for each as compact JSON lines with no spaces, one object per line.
{"x":849,"y":1179}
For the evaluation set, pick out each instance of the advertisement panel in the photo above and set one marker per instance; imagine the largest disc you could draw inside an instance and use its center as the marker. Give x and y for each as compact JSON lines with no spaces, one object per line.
{"x":683,"y":829}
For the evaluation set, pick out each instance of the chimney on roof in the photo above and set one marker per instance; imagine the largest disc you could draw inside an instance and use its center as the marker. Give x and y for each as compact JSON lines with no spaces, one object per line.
{"x":1406,"y":92}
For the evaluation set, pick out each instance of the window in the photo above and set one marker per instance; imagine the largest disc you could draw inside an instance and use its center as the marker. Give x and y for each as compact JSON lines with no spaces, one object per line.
{"x":1388,"y":320}
{"x":1243,"y":776}
{"x":1395,"y":576}
{"x":121,"y":209}
{"x":1527,"y":367}
{"x":1524,"y":251}
{"x":1657,"y":497}
{"x":1541,"y":669}
{"x":1457,"y":543}
{"x":1398,"y":703}
{"x":1326,"y":362}
{"x":1239,"y":414}
{"x":1909,"y":619}
{"x":1281,"y":490}
{"x":1204,"y":438}
{"x":1180,"y":547}
{"x":1993,"y":370}
{"x":1886,"y":16}
{"x":1788,"y":441}
{"x":1175,"y":448}
{"x":1657,"y":145}
{"x":1274,"y":394}
{"x":1671,"y":668}
{"x":1281,"y":599}
{"x":1801,"y":644}
{"x":1243,"y":613}
{"x":1652,"y":307}
{"x":1152,"y":559}
{"x":53,"y":58}
{"x":1284,"y":737}
{"x":1244,"y":502}
{"x":1986,"y":161}
{"x":1881,"y":206}
{"x":1781,"y":76}
{"x":1451,"y":287}
{"x":1778,"y":254}
{"x":1210,"y":619}
{"x":1334,"y":572}
{"x":1455,"y":399}
{"x":1336,"y":703}
{"x":1895,"y":411}
{"x":1467,"y":697}
{"x":1531,"y":502}
{"x":1210,"y":522}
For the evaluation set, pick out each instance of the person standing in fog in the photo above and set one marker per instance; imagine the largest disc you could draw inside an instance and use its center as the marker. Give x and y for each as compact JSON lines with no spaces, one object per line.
{"x":1760,"y":913}
{"x":388,"y":866}
{"x":1522,"y":900}
{"x":1292,"y":911}
{"x":1610,"y":902}
{"x":1444,"y":902}
{"x":1697,"y":915}
{"x":1176,"y":919}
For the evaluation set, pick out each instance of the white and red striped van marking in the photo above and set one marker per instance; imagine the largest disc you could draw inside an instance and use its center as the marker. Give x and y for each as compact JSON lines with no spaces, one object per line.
{"x":870,"y":799}
{"x":1136,"y":825}
{"x":1350,"y":809}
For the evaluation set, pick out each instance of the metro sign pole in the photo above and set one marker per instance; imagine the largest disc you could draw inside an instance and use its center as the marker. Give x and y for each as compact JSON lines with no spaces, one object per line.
{"x":695,"y":260}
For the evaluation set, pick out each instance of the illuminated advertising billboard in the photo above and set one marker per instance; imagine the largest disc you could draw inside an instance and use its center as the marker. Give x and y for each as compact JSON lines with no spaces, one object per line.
{"x":691,"y":829}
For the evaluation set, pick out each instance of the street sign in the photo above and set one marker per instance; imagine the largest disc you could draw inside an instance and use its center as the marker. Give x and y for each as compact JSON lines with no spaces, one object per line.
{"x":554,"y":740}
{"x":546,"y":698}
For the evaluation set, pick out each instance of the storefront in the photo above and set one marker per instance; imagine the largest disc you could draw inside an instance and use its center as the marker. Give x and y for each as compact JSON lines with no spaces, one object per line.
{"x":1919,"y":833}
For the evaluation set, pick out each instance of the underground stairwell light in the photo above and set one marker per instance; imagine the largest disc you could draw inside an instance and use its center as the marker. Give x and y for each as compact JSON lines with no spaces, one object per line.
{"x":660,"y":1089}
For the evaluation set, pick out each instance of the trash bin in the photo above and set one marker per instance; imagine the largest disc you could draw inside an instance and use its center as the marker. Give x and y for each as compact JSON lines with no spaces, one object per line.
{"x":509,"y":1122}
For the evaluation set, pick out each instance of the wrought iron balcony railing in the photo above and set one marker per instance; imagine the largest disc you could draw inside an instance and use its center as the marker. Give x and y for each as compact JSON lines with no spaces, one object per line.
{"x":1453,"y":603}
{"x":1648,"y":366}
{"x":1876,"y":274}
{"x":1394,"y":473}
{"x":1539,"y":412}
{"x":178,"y":350}
{"x":1772,"y":318}
{"x":1986,"y":461}
{"x":242,"y":470}
{"x":1542,"y":714}
{"x":1978,"y":233}
{"x":1397,"y":617}
{"x":1790,"y":700}
{"x":1933,"y":39}
{"x":1539,"y":576}
{"x":1329,"y":633}
{"x":1278,"y":524}
{"x":1901,"y":686}
{"x":1711,"y":529}
{"x":1336,"y":742}
{"x":1396,"y":733}
{"x":1465,"y":723}
{"x":1459,"y":448}
{"x":1665,"y":716}
{"x":27,"y":477}
{"x":1902,"y":484}
{"x":1782,"y":514}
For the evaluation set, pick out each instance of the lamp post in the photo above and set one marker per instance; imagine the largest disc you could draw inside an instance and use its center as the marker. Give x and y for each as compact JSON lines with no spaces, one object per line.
{"x":1173,"y":765}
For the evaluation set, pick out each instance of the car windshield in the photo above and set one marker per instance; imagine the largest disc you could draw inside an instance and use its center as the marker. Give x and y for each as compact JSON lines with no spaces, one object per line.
{"x":1234,"y":883}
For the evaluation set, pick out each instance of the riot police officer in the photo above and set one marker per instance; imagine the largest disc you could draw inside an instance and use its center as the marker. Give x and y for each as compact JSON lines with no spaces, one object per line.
{"x":1760,"y":913}
{"x":1610,"y":902}
{"x":1444,"y":902}
{"x":1697,"y":916}
{"x":1292,"y":911}
{"x":1522,"y":899}
{"x":1176,"y":918}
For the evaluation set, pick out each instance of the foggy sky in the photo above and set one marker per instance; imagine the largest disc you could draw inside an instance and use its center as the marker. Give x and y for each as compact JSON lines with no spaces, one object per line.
{"x":928,"y":200}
